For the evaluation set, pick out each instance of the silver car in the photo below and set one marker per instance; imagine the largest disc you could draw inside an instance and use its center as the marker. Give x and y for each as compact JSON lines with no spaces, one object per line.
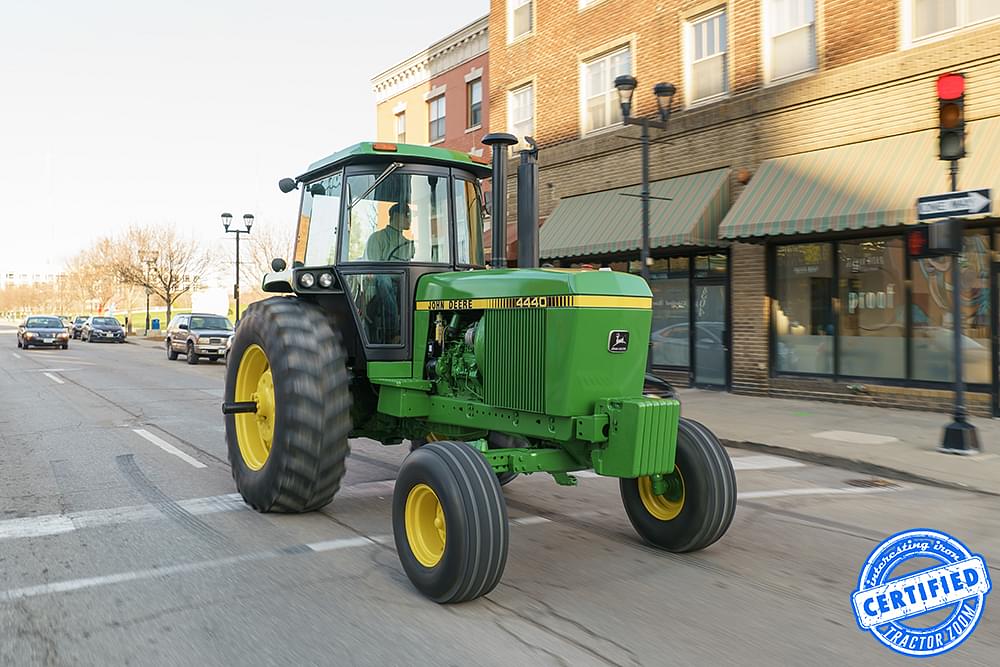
{"x":198,"y":335}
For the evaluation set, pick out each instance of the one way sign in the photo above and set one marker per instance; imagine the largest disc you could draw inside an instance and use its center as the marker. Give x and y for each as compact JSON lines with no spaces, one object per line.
{"x":953,"y":204}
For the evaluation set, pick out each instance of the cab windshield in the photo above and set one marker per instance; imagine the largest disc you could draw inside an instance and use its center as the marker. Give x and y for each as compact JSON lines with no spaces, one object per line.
{"x":404,"y":218}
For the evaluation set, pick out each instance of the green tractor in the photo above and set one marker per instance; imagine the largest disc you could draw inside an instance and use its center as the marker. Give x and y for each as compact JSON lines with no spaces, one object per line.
{"x":392,"y":327}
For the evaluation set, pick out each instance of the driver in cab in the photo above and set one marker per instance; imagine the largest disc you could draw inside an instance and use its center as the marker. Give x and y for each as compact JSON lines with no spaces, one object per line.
{"x":389,"y":244}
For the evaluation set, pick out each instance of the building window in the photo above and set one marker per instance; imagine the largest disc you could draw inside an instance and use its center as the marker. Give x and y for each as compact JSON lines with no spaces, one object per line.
{"x":520,"y":18}
{"x":706,"y":55}
{"x":474,"y":93}
{"x":803,"y":313}
{"x":932,"y":320}
{"x":931,"y":17}
{"x":791,"y":37}
{"x":435,"y":129}
{"x":671,"y":332}
{"x":401,"y":127}
{"x":601,"y":106}
{"x":521,"y":102}
{"x":872,"y":295}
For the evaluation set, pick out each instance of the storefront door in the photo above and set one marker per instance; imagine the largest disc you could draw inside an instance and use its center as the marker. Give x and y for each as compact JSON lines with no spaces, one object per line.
{"x":710,"y":338}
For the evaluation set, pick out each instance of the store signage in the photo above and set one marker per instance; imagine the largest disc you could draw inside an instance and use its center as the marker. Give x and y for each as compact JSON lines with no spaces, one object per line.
{"x":954,"y":204}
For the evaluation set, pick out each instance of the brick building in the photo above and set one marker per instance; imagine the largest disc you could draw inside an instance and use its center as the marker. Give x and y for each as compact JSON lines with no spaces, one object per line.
{"x":801,"y":135}
{"x":438,"y":97}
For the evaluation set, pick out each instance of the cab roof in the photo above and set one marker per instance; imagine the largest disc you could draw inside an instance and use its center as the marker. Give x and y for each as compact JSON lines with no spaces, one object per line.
{"x":378,"y":152}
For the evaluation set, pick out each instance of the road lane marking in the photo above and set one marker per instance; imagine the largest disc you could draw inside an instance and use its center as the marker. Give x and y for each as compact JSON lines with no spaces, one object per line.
{"x":168,"y":448}
{"x":856,"y":437}
{"x":764,"y":462}
{"x":16,"y":355}
{"x":816,"y":491}
{"x":53,"y":378}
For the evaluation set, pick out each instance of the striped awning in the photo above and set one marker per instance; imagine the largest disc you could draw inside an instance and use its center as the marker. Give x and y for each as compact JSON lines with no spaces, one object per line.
{"x":865,"y":185}
{"x":611,"y":221}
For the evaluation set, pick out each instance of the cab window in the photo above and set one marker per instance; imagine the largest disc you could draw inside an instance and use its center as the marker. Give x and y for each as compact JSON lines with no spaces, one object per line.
{"x":402,"y":219}
{"x":316,"y":238}
{"x":468,"y":224}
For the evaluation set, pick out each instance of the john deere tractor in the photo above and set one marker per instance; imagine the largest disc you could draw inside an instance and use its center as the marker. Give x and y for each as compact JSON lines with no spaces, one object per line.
{"x":390,"y":326}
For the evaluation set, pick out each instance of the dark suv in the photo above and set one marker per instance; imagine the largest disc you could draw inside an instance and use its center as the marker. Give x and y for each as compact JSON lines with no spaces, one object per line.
{"x":77,"y":327}
{"x":198,"y":335}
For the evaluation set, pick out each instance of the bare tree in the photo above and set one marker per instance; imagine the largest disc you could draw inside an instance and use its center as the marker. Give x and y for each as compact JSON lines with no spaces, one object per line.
{"x":90,"y":275}
{"x":160,"y":261}
{"x":267,"y":242}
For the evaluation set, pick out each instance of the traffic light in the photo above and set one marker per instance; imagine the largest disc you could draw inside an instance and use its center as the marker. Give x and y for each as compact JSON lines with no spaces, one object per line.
{"x":951,"y":116}
{"x":937,"y":239}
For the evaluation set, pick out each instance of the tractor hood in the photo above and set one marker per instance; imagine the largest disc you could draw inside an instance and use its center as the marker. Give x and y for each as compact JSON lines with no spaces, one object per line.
{"x":623,"y":289}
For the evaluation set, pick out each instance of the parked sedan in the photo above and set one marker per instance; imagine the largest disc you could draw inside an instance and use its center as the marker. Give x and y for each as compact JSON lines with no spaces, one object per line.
{"x":102,"y":329}
{"x":42,"y":331}
{"x":77,"y":326}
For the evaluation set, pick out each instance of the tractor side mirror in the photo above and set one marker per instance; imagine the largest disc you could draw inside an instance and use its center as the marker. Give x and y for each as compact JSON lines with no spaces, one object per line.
{"x":317,"y":190}
{"x":278,"y":264}
{"x":286,"y":185}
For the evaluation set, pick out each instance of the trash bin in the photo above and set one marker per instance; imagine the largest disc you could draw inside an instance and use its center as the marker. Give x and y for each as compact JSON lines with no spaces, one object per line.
{"x":156,"y":324}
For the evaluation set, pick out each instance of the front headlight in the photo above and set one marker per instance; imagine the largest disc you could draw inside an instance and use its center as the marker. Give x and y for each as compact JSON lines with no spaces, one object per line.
{"x":63,"y":335}
{"x":325,"y":280}
{"x":307,"y":280}
{"x":28,"y":334}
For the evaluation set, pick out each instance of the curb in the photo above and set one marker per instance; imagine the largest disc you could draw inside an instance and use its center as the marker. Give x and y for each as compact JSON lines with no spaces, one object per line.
{"x":854,"y":465}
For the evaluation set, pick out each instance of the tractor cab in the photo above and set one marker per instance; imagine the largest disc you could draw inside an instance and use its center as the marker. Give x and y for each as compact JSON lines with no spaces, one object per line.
{"x":373,"y":219}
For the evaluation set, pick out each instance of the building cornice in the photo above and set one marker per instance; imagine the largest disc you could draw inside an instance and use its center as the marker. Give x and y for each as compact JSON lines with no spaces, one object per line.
{"x":460,"y":46}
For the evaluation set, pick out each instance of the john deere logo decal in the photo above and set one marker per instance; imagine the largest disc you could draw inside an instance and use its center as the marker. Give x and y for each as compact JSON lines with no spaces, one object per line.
{"x":618,"y":341}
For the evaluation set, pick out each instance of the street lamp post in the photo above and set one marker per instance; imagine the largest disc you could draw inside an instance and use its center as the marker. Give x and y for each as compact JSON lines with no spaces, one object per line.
{"x":227,"y":220}
{"x":149,"y":258}
{"x":625,"y":84}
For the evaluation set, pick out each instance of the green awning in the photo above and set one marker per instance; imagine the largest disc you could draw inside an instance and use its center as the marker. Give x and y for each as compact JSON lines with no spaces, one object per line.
{"x":611,"y":221}
{"x":865,"y":185}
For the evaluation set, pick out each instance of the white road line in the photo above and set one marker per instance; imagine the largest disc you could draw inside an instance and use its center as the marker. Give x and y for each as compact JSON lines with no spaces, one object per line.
{"x":54,"y":524}
{"x":54,"y":378}
{"x":16,"y":355}
{"x":168,"y":448}
{"x":530,"y":520}
{"x":764,"y":462}
{"x":816,"y":491}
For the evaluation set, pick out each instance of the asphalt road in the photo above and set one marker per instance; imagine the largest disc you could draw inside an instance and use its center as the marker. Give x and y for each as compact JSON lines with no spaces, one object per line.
{"x":122,"y":542}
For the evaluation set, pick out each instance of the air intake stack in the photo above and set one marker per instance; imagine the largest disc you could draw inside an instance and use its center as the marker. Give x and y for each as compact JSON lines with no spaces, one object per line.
{"x":498,"y":143}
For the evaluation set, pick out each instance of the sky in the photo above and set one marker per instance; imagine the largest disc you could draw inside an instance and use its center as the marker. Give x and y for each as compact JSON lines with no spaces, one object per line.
{"x":169,"y":113}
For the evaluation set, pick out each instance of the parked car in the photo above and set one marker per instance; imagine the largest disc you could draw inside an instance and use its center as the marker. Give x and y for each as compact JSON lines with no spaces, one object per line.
{"x":77,"y":326}
{"x":42,"y":331}
{"x":198,"y":335}
{"x":102,"y":328}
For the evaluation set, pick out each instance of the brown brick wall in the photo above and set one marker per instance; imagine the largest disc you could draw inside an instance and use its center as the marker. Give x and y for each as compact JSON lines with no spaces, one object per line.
{"x":855,"y":30}
{"x":750,"y":319}
{"x":456,"y":134}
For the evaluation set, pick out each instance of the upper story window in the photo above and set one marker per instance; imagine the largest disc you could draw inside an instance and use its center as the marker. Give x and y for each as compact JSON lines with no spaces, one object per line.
{"x":706,"y":56}
{"x":601,"y":106}
{"x":474,"y":90}
{"x":790,"y":44}
{"x":932,"y":17}
{"x":520,"y":18}
{"x":521,"y":110}
{"x":435,"y":128}
{"x":401,"y":127}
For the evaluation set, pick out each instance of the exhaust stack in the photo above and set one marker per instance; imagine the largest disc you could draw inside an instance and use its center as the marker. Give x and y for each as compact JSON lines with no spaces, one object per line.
{"x":527,"y":206}
{"x":498,"y":143}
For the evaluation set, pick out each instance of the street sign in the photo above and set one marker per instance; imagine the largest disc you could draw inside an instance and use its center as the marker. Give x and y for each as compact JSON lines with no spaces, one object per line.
{"x":954,"y":204}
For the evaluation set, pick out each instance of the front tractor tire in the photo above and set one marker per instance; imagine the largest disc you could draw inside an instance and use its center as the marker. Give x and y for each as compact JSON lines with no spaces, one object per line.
{"x":289,"y":455}
{"x":449,"y":521}
{"x":700,"y":501}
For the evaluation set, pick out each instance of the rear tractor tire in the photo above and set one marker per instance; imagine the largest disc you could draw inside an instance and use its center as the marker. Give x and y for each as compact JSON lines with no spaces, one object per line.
{"x":701,"y":499}
{"x":449,"y":521}
{"x":288,"y":456}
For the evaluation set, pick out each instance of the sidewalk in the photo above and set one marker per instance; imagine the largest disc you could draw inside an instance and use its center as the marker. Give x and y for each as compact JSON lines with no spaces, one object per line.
{"x":880,"y":441}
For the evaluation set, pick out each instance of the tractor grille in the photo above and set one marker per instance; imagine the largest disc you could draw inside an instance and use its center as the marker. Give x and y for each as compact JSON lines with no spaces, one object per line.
{"x":514,"y":371}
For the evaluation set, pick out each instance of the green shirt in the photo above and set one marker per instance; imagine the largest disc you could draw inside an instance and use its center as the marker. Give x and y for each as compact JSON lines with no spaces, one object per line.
{"x":389,"y":245}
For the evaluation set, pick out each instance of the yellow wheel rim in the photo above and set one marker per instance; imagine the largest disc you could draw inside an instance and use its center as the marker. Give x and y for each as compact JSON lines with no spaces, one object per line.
{"x":255,"y":431}
{"x":425,"y":525}
{"x":667,"y":506}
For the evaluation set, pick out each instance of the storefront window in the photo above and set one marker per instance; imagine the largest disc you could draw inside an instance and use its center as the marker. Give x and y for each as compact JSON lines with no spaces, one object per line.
{"x":803,"y":313}
{"x":932,"y":320}
{"x":710,"y":265}
{"x":872,"y":308}
{"x":671,"y":320}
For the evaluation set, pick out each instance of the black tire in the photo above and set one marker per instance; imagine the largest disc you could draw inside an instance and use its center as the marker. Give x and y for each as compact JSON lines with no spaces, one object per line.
{"x":189,"y":354}
{"x":496,"y":440}
{"x":213,"y":358}
{"x":475,"y":516}
{"x":709,"y":502}
{"x":19,"y":346}
{"x":171,"y":353}
{"x":65,"y":346}
{"x":312,"y":420}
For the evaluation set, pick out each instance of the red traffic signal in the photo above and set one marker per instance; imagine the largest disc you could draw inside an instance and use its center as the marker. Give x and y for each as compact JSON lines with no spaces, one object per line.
{"x":916,"y":242}
{"x":951,"y":116}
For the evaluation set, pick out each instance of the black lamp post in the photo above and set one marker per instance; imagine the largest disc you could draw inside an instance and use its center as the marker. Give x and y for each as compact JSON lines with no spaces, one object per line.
{"x":227,"y":220}
{"x":664,"y":100}
{"x":149,"y":257}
